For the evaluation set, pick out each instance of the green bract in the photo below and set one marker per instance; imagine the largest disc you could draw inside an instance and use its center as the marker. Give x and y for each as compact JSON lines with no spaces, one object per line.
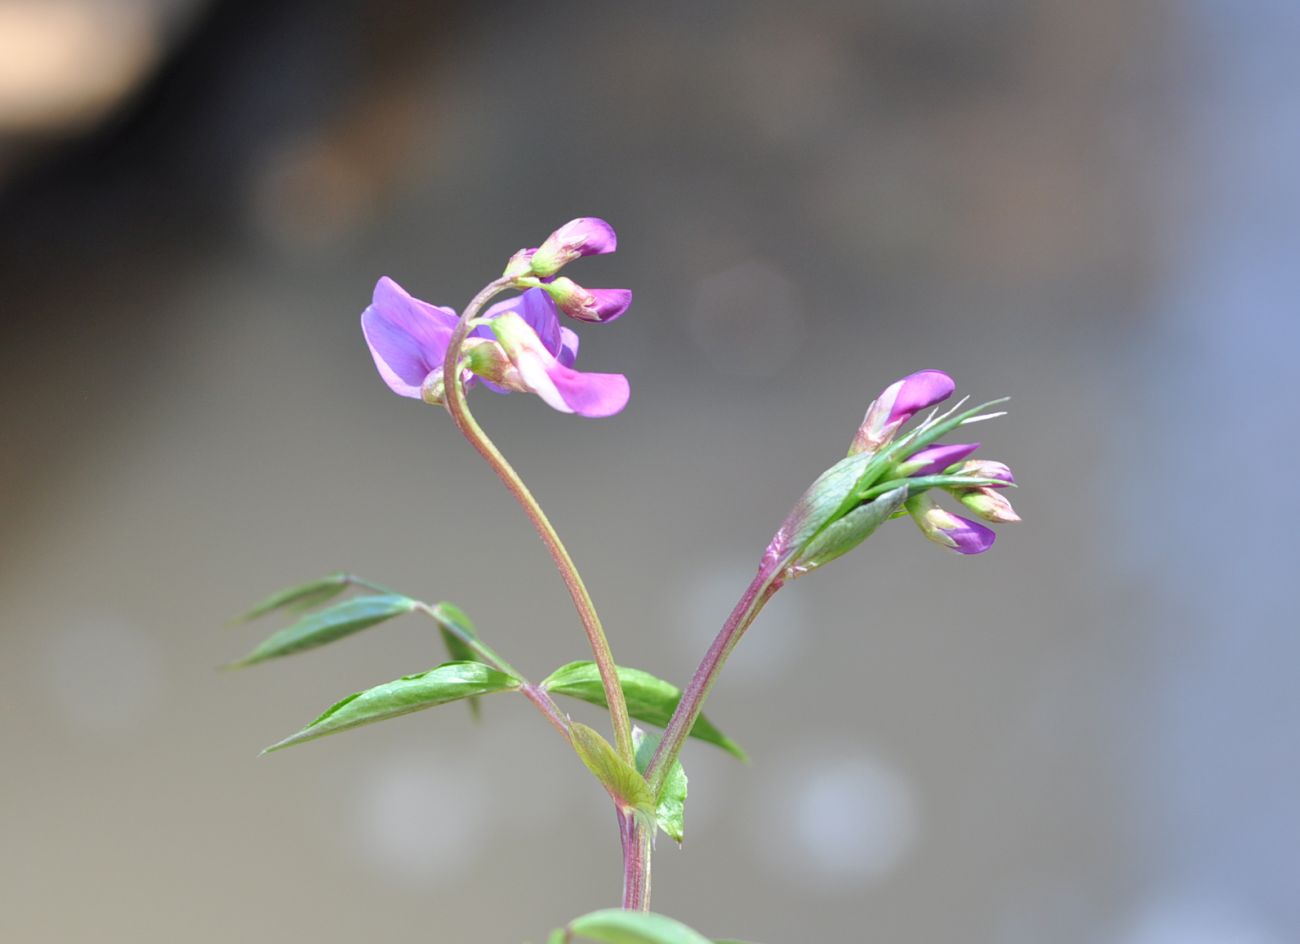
{"x":671,"y":808}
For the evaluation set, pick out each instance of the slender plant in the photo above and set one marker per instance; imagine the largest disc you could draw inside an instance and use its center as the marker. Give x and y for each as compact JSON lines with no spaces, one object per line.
{"x":431,"y":354}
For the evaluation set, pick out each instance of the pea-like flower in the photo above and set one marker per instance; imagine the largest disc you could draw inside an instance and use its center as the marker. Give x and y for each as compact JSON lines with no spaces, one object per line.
{"x":533,"y":353}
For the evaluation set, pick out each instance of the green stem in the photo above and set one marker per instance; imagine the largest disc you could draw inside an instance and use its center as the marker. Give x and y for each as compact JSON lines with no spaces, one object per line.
{"x":465,"y":422}
{"x":760,"y":590}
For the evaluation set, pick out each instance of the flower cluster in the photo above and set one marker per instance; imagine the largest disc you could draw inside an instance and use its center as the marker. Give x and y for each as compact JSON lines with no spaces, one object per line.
{"x":886,"y":475}
{"x":517,"y":345}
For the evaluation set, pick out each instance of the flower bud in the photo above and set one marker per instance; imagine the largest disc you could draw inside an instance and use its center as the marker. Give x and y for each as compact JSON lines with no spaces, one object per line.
{"x":896,"y":405}
{"x":585,"y":236}
{"x":949,"y":530}
{"x":988,"y":469}
{"x":988,"y":503}
{"x":594,"y":304}
{"x":932,"y":460}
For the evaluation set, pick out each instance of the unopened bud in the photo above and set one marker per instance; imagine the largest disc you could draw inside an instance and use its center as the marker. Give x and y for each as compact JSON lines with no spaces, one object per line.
{"x":932,"y":460}
{"x":988,"y":503}
{"x":896,"y":405}
{"x":594,"y":305}
{"x":949,"y":530}
{"x":585,"y":236}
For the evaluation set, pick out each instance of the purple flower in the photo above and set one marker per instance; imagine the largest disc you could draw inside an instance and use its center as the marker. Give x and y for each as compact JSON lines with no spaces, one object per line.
{"x":535,"y":369}
{"x":408,"y":339}
{"x":585,"y":236}
{"x":897,"y":404}
{"x":948,"y":530}
{"x":932,"y":460}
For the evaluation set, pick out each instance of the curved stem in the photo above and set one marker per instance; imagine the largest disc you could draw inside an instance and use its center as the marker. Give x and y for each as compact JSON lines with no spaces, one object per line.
{"x":465,"y":422}
{"x":760,"y":590}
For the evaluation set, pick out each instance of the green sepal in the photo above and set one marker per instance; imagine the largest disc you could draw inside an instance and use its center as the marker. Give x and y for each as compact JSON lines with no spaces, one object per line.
{"x":649,"y":699}
{"x":829,"y":496}
{"x":616,"y":926}
{"x":671,"y":810}
{"x":454,"y":625}
{"x":342,"y":619}
{"x":847,"y":532}
{"x":628,"y":788}
{"x":449,"y":682}
{"x":302,"y":597}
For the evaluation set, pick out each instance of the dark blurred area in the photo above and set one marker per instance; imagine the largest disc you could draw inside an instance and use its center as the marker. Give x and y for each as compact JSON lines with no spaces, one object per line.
{"x":1086,"y":735}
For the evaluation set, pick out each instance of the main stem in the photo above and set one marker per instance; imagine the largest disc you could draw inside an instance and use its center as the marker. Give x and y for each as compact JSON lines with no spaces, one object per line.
{"x":465,"y":422}
{"x":638,"y":844}
{"x":759,"y":591}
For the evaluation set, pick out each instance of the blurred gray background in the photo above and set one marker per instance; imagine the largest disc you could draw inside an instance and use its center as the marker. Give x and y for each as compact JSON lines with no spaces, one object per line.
{"x":1085,"y":735}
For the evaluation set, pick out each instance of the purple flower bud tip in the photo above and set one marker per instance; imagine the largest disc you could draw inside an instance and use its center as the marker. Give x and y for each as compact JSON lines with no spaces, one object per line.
{"x":585,"y":236}
{"x":896,"y":405}
{"x":596,"y":305}
{"x":988,"y":469}
{"x":948,"y":530}
{"x":968,"y":537}
{"x":934,"y":459}
{"x":918,"y":391}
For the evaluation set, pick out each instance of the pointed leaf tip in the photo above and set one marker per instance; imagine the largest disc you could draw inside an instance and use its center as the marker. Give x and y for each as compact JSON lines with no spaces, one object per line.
{"x":449,"y":682}
{"x":317,"y":629}
{"x":300,"y":597}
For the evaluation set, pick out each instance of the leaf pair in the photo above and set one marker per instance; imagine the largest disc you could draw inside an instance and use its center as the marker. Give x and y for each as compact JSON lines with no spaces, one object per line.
{"x":649,"y":699}
{"x":615,"y":926}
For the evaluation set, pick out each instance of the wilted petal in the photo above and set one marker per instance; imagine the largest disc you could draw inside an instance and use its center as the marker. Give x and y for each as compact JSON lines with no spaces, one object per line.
{"x":897,"y":404}
{"x":934,"y":459}
{"x":407,"y":337}
{"x":585,"y":236}
{"x":948,"y":530}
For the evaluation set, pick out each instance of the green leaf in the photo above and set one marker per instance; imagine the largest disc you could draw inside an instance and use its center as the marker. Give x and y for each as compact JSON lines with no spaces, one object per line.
{"x":649,"y":699}
{"x":558,"y":937}
{"x":302,"y":597}
{"x":671,"y":810}
{"x":615,"y":926}
{"x":450,"y":681}
{"x":451,"y":619}
{"x":616,"y":775}
{"x":843,"y":535}
{"x":342,"y":619}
